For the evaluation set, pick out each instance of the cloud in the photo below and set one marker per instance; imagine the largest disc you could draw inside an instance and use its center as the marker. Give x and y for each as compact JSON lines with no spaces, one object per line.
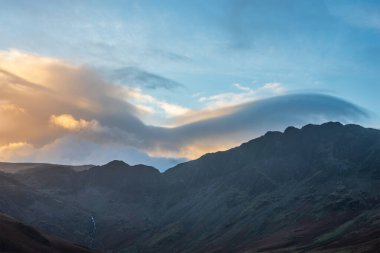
{"x":11,"y":108}
{"x":73,"y":150}
{"x":15,"y":150}
{"x":46,"y":87}
{"x":274,"y":87}
{"x":57,"y":112}
{"x":249,"y":120}
{"x":153,"y":106}
{"x":244,"y":94}
{"x":134,"y":76}
{"x":67,"y":121}
{"x":169,"y":55}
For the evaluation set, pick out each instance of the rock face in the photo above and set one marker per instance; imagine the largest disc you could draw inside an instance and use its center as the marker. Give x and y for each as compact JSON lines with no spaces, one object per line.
{"x":20,"y":238}
{"x":315,"y":189}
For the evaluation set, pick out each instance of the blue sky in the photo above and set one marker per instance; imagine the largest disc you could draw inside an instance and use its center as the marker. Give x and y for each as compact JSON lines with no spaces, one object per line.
{"x":180,"y":58}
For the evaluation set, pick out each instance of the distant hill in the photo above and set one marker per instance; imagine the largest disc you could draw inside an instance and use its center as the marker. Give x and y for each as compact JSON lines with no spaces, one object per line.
{"x":314,"y":189}
{"x":18,"y":167}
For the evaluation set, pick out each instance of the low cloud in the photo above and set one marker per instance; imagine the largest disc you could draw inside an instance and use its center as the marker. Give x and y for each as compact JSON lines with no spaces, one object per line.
{"x":58,"y":112}
{"x":15,"y":150}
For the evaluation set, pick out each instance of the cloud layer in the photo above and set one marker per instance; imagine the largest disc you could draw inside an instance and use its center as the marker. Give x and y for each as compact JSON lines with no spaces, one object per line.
{"x":54,"y":111}
{"x":141,"y":78}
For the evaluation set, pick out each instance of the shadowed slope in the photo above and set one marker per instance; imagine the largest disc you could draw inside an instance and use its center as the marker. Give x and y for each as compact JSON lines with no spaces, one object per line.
{"x":19,"y":238}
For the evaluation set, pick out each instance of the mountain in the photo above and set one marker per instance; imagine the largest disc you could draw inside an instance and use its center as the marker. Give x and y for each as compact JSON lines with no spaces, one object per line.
{"x":314,"y":189}
{"x":20,"y":238}
{"x":305,"y":189}
{"x":17,"y":167}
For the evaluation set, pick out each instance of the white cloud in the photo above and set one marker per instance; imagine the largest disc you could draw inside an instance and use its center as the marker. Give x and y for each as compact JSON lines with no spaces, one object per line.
{"x":244,"y":95}
{"x":153,"y":105}
{"x":243,"y":88}
{"x":276,"y":88}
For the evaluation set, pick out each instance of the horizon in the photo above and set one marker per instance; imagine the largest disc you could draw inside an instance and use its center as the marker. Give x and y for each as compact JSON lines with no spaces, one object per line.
{"x":86,"y":82}
{"x":162,"y":170}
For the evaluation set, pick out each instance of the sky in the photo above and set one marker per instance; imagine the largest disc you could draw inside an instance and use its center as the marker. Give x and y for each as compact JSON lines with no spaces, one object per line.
{"x":162,"y":82}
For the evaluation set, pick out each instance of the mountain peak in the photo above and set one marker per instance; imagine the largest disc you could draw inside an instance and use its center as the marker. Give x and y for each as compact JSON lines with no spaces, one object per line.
{"x":327,"y":125}
{"x":117,"y":163}
{"x":333,"y":124}
{"x":291,"y":129}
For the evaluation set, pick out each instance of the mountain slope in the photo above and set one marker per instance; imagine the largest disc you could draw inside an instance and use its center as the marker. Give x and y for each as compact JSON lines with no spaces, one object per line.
{"x":281,"y":190}
{"x":47,"y":211}
{"x":19,"y":238}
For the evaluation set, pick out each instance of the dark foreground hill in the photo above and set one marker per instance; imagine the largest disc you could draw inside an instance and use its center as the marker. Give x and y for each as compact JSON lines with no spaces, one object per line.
{"x":17,"y":237}
{"x":315,"y":189}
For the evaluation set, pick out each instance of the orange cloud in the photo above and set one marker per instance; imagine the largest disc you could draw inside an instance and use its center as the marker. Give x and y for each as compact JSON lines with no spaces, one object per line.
{"x":67,"y":121}
{"x":15,"y":150}
{"x":33,"y":67}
